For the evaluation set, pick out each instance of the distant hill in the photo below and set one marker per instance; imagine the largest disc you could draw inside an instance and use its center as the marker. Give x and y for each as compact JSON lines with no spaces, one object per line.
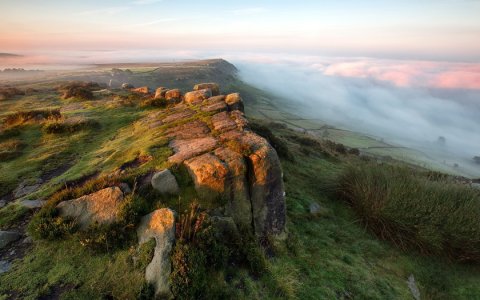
{"x":9,"y":55}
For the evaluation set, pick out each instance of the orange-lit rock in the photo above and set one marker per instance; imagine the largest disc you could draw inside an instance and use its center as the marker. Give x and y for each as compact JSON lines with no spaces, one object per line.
{"x":160,"y":92}
{"x":102,"y":207}
{"x":185,"y":149}
{"x":209,"y":175}
{"x":222,"y":122}
{"x":173,"y":95}
{"x":196,"y":97}
{"x":211,"y":85}
{"x":227,"y":161}
{"x":234,"y":102}
{"x":141,"y":90}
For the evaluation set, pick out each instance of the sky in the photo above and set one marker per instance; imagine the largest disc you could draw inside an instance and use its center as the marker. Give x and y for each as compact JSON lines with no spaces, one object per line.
{"x":406,"y":29}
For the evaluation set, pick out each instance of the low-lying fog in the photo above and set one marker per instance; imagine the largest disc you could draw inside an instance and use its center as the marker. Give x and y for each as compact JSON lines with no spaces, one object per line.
{"x":430,"y":106}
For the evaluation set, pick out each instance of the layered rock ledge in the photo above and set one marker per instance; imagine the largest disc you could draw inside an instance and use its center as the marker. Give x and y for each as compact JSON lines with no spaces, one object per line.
{"x":209,"y":135}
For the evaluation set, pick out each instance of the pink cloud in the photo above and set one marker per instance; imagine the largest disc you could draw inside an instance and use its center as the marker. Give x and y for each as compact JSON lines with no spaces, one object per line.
{"x":411,"y":73}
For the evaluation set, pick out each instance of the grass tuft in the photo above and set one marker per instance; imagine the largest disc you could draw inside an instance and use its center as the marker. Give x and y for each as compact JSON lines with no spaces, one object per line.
{"x":409,"y":209}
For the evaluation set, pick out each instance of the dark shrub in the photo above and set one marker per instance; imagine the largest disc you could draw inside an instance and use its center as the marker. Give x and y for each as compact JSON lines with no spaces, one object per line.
{"x":9,"y":92}
{"x":22,"y":117}
{"x":336,"y":147}
{"x":354,"y":151}
{"x":155,"y":102}
{"x":78,"y":90}
{"x":70,"y":126}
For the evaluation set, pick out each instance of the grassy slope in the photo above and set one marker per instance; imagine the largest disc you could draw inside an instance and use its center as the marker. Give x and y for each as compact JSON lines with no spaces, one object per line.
{"x":327,"y":256}
{"x":334,"y":257}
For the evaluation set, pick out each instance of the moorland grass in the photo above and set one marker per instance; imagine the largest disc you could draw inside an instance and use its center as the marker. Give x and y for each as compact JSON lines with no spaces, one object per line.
{"x":408,"y":208}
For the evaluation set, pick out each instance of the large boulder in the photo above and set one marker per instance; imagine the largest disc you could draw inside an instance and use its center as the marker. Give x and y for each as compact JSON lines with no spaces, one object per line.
{"x":7,"y":237}
{"x":165,"y":183}
{"x":160,"y":92}
{"x":211,"y":85}
{"x":102,"y":207}
{"x":234,"y":102}
{"x":196,"y":97}
{"x":159,"y":225}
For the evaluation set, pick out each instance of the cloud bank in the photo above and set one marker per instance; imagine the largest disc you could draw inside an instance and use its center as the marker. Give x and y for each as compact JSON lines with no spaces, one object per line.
{"x":406,"y":103}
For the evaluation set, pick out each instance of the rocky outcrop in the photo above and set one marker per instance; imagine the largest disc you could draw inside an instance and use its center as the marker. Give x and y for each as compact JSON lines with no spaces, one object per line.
{"x":228,"y":163}
{"x":102,"y":207}
{"x":7,"y":237}
{"x":165,"y":183}
{"x":159,"y":225}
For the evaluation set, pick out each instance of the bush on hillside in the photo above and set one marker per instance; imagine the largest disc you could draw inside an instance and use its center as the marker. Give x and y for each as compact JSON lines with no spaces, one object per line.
{"x":79,"y":90}
{"x":25,"y":116}
{"x":409,"y":209}
{"x":70,"y":126}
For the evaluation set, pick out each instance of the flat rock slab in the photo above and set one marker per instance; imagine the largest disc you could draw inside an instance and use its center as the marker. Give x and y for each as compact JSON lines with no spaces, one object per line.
{"x":102,"y":207}
{"x":222,"y":122}
{"x":159,"y":225}
{"x":191,"y":130}
{"x":32,"y":203}
{"x":185,"y":149}
{"x":24,"y":189}
{"x":214,"y":106}
{"x":187,"y":113}
{"x":7,"y":237}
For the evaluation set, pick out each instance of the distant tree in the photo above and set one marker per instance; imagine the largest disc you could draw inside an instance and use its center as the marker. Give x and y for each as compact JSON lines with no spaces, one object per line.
{"x":441,"y":140}
{"x":476,"y":159}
